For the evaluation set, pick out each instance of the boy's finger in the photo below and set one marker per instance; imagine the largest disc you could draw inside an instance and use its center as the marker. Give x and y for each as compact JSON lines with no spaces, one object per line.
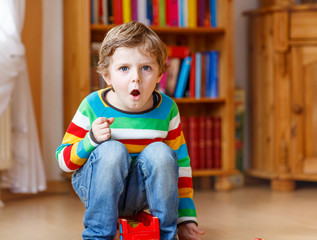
{"x":110,"y":120}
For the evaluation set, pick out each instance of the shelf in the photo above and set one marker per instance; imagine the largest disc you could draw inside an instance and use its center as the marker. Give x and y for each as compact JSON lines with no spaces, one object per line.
{"x":199,"y":100}
{"x":167,"y":30}
{"x":212,"y":172}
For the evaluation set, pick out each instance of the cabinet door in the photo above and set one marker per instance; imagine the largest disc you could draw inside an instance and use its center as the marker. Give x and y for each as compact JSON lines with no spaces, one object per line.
{"x":304,"y":110}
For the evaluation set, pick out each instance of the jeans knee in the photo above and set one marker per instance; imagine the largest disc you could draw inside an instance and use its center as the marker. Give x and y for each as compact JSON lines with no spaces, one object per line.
{"x":111,"y":154}
{"x":162,"y":157}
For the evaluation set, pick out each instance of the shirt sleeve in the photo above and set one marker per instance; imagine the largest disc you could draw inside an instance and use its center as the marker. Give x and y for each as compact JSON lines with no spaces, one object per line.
{"x":175,"y":139}
{"x":77,"y":143}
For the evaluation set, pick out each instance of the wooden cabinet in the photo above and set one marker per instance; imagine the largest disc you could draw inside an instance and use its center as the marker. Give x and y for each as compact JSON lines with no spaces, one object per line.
{"x":78,"y":35}
{"x":283,"y":94}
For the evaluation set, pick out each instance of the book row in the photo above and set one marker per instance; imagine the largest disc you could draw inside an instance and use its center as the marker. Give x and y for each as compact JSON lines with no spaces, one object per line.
{"x":203,"y":139}
{"x":173,"y":13}
{"x":194,"y":75}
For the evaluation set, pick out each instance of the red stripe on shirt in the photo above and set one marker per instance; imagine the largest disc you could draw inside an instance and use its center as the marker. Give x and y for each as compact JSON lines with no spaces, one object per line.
{"x":66,"y":155}
{"x":76,"y":130}
{"x":174,"y":133}
{"x":185,"y":182}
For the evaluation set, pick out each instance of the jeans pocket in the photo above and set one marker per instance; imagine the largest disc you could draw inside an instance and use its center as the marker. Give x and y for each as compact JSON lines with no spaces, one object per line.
{"x":81,"y":182}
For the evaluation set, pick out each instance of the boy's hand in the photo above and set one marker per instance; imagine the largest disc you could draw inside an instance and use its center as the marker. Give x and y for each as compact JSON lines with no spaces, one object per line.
{"x":189,"y":231}
{"x":101,"y":128}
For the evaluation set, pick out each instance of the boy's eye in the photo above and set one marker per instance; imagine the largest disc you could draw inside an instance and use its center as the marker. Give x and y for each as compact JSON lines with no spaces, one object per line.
{"x":146,"y":68}
{"x":124,"y":68}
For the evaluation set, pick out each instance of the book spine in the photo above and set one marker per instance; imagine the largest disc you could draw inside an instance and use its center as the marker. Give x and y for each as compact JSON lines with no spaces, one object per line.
{"x":198,"y":75}
{"x":156,"y":13}
{"x":213,"y":91}
{"x":126,"y":8}
{"x":178,"y":51}
{"x":202,"y":142}
{"x":134,"y":10}
{"x":192,"y":75}
{"x":141,"y":5}
{"x":172,"y":13}
{"x":181,"y":13}
{"x":209,"y":142}
{"x":217,"y":142}
{"x":213,"y":13}
{"x":162,"y":13}
{"x":117,"y":12}
{"x":183,"y":78}
{"x":192,"y":13}
{"x":201,"y":11}
{"x":149,"y":12}
{"x":193,"y":136}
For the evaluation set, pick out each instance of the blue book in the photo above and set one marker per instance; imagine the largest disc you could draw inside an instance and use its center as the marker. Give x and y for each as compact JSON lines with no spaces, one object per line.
{"x":198,"y":75}
{"x":213,"y":74}
{"x":213,"y":12}
{"x":181,"y":13}
{"x":149,"y":12}
{"x":207,"y":73}
{"x":183,"y":78}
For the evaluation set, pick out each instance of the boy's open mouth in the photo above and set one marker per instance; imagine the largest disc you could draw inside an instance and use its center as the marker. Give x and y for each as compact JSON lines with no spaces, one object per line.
{"x":135,"y":93}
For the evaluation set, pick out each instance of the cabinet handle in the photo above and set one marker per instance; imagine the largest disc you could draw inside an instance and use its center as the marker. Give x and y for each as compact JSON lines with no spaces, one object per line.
{"x":297,"y":109}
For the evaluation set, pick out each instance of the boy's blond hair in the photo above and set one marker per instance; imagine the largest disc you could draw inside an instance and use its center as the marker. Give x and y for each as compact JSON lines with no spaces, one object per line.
{"x":132,"y":34}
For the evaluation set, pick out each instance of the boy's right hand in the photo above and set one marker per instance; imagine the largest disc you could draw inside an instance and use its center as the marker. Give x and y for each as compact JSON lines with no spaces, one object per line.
{"x":101,"y":128}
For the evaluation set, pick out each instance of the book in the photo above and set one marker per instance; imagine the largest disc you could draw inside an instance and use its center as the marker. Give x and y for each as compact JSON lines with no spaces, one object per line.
{"x":126,"y":11}
{"x":181,"y":13}
{"x":117,"y":12}
{"x":217,"y":142}
{"x":194,"y":141}
{"x":178,"y":51}
{"x":209,"y":142}
{"x":172,"y":75}
{"x":198,"y":67}
{"x":183,"y":78}
{"x":149,"y":12}
{"x":192,"y":76}
{"x":203,"y":74}
{"x":213,"y":13}
{"x":162,"y":13}
{"x":192,"y":13}
{"x":202,"y":142}
{"x":172,"y":13}
{"x":141,"y":8}
{"x":212,"y":90}
{"x":134,"y":10}
{"x":156,"y":12}
{"x":201,"y":11}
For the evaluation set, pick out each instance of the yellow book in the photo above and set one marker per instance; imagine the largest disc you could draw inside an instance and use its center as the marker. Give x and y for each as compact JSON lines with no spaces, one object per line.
{"x":126,"y":7}
{"x":192,"y":13}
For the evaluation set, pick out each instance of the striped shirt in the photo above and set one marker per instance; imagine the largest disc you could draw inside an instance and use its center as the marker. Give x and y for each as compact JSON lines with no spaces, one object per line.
{"x":135,"y":131}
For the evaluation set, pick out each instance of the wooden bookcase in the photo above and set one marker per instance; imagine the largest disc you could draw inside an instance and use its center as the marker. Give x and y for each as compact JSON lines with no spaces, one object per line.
{"x":283,"y":92}
{"x":78,"y":35}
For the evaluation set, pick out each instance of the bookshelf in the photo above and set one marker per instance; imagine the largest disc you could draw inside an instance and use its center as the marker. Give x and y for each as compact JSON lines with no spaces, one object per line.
{"x":79,"y":34}
{"x":283,"y":80}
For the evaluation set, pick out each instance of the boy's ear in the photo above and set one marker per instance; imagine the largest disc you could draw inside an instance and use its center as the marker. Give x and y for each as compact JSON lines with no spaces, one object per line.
{"x":159,"y":78}
{"x":106,"y":78}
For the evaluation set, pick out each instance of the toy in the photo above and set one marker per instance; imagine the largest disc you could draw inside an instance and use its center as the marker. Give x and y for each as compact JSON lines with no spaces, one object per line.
{"x":142,"y":226}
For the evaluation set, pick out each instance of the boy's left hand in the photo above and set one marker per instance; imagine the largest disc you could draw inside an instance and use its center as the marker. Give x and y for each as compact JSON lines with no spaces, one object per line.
{"x":189,"y":231}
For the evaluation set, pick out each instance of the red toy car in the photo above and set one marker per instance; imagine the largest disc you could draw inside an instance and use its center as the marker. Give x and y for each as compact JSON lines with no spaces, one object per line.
{"x":142,"y":226}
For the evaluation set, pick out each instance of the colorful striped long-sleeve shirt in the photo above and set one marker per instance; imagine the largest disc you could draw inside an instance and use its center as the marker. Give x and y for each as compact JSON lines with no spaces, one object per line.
{"x":135,"y":131}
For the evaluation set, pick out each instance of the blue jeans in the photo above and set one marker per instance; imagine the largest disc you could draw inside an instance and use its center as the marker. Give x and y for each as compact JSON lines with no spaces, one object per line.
{"x":110,"y":186}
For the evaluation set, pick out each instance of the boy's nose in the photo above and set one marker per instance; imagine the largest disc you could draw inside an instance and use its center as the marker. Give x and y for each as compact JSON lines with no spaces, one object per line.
{"x":136,"y":77}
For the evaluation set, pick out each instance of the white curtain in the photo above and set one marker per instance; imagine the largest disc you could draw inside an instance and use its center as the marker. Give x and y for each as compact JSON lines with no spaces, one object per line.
{"x":27,"y":174}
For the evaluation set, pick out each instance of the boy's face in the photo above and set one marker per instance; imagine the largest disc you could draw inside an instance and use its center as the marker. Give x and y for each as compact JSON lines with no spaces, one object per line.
{"x":133,"y":74}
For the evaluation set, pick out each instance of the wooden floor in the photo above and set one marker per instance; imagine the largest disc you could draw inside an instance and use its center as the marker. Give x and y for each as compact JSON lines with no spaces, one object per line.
{"x":241,"y":214}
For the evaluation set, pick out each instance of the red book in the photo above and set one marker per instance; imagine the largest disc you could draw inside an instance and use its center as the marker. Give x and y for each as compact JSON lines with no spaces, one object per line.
{"x":209,"y":142}
{"x":192,"y":77}
{"x":117,"y":12}
{"x":202,"y":142}
{"x":178,"y":51}
{"x":134,"y":6}
{"x":217,"y":142}
{"x":156,"y":13}
{"x":194,"y":141}
{"x":172,"y":13}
